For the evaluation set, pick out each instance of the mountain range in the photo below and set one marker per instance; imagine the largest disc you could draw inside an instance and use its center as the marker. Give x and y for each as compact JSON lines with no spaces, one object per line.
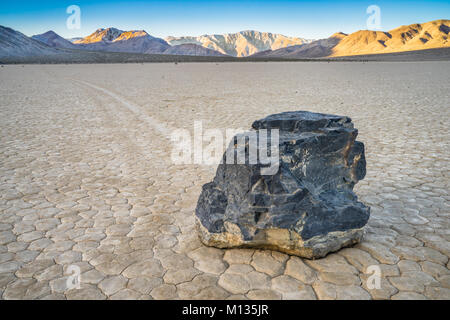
{"x":115,"y":40}
{"x":253,"y":44}
{"x":419,"y":36}
{"x":240,"y":44}
{"x":16,"y":44}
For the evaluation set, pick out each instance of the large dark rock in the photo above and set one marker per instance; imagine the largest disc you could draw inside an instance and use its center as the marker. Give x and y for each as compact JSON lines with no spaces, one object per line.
{"x":307,"y":208}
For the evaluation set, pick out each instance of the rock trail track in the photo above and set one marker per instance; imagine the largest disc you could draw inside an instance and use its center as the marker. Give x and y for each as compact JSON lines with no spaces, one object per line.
{"x":86,"y":179}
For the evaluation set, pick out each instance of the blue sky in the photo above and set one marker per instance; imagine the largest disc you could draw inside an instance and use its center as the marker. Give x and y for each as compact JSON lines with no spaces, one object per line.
{"x":308,"y":19}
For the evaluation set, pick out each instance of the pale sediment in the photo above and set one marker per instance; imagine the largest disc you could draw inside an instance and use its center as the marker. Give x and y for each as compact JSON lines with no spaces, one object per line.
{"x":86,"y":181}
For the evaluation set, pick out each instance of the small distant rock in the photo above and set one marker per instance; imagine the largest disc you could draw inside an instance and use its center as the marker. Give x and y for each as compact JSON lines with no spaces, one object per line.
{"x":307,"y":208}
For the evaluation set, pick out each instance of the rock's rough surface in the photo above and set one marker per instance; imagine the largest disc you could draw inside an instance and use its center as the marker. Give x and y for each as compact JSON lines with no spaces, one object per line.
{"x":307,"y":208}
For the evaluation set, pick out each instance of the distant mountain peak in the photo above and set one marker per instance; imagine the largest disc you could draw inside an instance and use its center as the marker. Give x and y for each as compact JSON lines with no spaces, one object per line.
{"x":240,"y":44}
{"x":111,"y":29}
{"x":116,"y":40}
{"x":52,"y":39}
{"x":50,"y":32}
{"x":15,"y":44}
{"x":101,"y":34}
{"x":338,"y":35}
{"x":126,"y":35}
{"x":111,"y":35}
{"x":417,"y":36}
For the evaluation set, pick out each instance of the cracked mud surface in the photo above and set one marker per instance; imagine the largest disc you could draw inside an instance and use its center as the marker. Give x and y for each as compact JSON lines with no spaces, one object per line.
{"x":86,"y":179}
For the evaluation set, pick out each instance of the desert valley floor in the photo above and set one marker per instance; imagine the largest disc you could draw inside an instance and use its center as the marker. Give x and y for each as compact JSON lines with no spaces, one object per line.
{"x":86,"y":179}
